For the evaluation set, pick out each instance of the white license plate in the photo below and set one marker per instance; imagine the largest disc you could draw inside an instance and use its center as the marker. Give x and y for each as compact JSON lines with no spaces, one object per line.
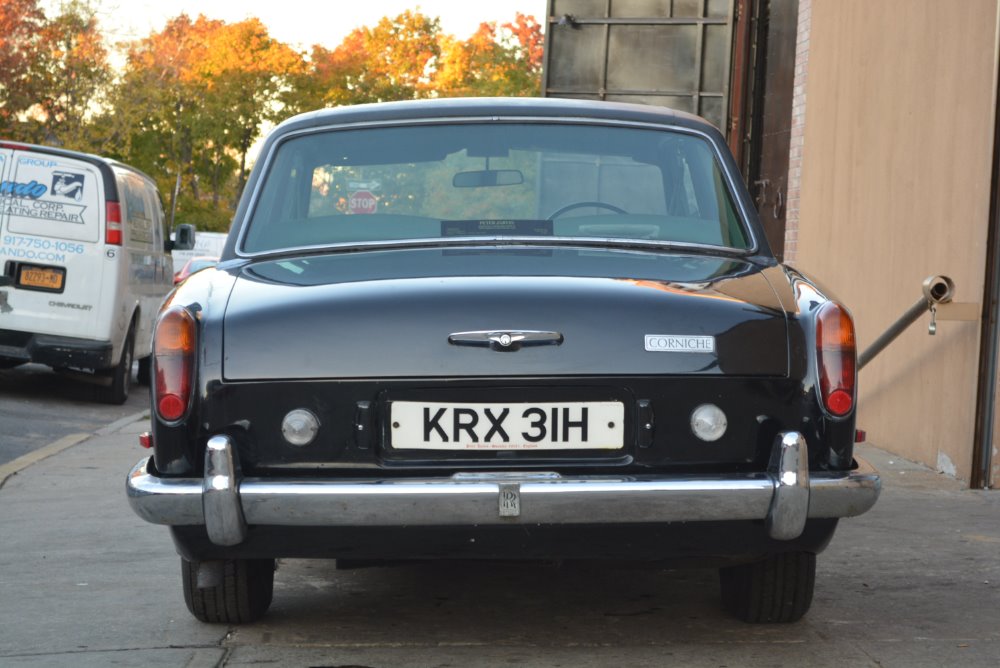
{"x":577,"y":425}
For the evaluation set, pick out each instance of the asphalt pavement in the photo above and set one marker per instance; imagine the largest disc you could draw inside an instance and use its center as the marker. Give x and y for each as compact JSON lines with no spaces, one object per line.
{"x":85,"y":582}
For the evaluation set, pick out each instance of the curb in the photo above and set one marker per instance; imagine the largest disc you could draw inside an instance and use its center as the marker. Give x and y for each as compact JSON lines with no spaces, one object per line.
{"x":65,"y":443}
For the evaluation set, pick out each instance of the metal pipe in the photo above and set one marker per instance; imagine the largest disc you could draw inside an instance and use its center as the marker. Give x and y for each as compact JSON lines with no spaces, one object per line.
{"x":936,"y":289}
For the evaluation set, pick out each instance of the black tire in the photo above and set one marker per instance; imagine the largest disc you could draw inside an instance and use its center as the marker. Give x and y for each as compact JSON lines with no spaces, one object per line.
{"x":777,"y":589}
{"x":144,"y":375}
{"x":243,"y":595}
{"x":121,"y":374}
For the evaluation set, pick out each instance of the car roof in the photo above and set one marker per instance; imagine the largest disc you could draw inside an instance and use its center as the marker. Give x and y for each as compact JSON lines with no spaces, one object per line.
{"x":494,"y":108}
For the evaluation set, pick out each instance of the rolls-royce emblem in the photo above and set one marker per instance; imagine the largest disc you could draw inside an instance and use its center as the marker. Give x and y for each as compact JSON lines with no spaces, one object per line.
{"x":509,"y":499}
{"x":505,"y":341}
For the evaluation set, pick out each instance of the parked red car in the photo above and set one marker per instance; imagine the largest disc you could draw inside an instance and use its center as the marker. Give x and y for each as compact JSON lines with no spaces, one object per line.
{"x":193,"y":265}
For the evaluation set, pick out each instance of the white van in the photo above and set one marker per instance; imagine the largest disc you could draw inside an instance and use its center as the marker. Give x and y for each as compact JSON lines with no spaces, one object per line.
{"x":85,"y":264}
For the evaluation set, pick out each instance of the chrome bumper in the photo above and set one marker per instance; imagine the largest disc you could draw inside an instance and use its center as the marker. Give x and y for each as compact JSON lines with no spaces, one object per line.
{"x":225,"y":502}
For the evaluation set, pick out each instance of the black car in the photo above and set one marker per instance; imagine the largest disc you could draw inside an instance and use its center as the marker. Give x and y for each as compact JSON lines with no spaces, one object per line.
{"x":501,"y":329}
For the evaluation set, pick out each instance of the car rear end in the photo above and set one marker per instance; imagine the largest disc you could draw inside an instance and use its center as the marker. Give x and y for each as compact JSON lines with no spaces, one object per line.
{"x":529,"y":337}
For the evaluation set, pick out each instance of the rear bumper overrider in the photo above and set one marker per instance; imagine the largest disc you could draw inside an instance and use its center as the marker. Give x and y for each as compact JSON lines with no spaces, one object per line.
{"x":225,"y":502}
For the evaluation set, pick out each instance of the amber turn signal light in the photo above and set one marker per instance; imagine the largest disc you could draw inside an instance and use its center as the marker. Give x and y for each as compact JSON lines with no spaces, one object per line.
{"x":836,"y":358}
{"x":173,"y":363}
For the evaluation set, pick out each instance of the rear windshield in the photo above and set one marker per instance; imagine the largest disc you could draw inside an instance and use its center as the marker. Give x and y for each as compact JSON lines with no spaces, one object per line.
{"x":496,"y":180}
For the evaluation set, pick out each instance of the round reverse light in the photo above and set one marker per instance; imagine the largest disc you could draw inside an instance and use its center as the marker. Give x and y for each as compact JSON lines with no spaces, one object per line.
{"x":300,"y":427}
{"x":708,"y":422}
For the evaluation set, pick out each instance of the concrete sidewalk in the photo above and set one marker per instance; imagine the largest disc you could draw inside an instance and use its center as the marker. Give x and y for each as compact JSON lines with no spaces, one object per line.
{"x":84,"y":582}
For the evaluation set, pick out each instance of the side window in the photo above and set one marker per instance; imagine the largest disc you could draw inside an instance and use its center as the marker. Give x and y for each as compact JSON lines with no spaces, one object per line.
{"x":156,"y":211}
{"x":139,"y":215}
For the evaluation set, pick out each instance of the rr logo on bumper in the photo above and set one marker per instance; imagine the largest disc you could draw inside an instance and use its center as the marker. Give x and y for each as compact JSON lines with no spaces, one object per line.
{"x":510,"y":499}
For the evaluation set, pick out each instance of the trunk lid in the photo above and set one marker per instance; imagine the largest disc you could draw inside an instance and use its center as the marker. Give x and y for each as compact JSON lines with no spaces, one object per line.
{"x":389,"y":314}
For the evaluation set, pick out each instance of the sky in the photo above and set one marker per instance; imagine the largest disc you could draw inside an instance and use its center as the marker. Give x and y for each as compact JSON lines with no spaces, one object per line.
{"x":302,"y":23}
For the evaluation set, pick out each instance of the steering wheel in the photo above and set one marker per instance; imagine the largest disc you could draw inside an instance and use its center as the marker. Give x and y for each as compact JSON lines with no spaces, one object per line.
{"x":580,"y":205}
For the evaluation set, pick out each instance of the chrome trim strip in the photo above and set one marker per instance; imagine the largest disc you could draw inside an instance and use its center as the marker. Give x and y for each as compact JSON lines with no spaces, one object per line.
{"x":789,"y":510}
{"x":505,"y":339}
{"x":224,"y":519}
{"x":513,"y":241}
{"x":474,"y":498}
{"x":753,"y":249}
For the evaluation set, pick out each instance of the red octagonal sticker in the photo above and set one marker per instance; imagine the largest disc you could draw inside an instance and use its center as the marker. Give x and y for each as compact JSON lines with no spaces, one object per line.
{"x":362,"y":201}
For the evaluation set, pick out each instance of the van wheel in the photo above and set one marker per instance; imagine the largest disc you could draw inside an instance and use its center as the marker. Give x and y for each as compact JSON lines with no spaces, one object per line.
{"x":144,"y":376}
{"x":777,"y":589}
{"x":121,"y":375}
{"x":232,"y":591}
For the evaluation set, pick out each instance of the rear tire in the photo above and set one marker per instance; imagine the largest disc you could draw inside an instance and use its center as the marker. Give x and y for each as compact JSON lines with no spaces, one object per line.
{"x":777,"y":589}
{"x":121,"y":374}
{"x":242,"y":595}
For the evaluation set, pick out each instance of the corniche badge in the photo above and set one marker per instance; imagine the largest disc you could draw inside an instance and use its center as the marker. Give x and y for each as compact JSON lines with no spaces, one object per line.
{"x":673,"y":343}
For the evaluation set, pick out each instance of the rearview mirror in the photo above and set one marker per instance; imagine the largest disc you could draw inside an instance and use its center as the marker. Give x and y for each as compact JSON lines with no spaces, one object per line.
{"x":487,"y":178}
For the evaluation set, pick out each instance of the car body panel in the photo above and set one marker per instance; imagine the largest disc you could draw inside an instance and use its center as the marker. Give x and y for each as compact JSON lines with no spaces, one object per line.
{"x":391,"y":313}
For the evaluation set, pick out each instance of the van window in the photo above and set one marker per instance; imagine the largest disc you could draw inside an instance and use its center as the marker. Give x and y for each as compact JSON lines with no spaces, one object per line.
{"x":156,"y":208}
{"x":138,"y":210}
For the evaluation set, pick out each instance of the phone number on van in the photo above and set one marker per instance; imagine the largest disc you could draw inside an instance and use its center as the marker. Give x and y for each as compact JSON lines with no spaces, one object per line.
{"x":42,"y":244}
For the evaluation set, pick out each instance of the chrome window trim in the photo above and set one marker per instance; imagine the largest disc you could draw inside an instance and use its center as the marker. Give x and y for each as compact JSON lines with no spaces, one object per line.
{"x":753,"y":248}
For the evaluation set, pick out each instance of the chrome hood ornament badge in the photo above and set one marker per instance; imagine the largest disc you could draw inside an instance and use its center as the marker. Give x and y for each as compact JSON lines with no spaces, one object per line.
{"x":505,"y":340}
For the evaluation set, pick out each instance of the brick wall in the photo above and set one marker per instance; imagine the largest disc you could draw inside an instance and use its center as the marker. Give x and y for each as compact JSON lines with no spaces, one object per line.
{"x":798,"y":131}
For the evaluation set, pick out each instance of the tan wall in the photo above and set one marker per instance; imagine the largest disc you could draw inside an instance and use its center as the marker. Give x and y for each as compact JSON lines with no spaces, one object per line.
{"x":896,"y":169}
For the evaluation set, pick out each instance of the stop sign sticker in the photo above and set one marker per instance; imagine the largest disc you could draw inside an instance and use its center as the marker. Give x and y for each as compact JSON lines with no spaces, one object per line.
{"x":362,"y":201}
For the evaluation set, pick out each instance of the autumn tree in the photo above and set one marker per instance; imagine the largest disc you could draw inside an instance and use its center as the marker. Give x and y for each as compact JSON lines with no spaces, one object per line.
{"x":20,"y":47}
{"x":194,"y":97}
{"x":503,"y":61}
{"x":159,"y":101}
{"x":198,"y":93}
{"x":392,"y":61}
{"x":246,"y":73}
{"x":74,"y":71}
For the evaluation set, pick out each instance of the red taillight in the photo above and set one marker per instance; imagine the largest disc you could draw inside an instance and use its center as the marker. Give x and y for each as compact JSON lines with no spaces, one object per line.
{"x":173,"y":363}
{"x":113,"y":229}
{"x":835,"y":357}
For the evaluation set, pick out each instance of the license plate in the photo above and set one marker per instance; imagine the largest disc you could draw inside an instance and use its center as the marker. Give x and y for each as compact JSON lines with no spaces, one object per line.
{"x":41,"y":277}
{"x":578,"y":425}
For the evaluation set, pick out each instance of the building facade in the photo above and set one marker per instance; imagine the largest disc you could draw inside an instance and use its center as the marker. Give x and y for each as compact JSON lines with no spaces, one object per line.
{"x":892,"y":178}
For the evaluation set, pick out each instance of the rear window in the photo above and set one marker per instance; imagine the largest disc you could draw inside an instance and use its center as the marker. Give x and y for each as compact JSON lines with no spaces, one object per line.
{"x":493,"y":180}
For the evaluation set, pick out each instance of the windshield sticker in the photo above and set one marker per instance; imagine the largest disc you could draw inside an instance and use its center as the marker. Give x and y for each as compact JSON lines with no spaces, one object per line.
{"x":68,"y":185}
{"x":490,"y":228}
{"x":671,"y":343}
{"x":362,"y":201}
